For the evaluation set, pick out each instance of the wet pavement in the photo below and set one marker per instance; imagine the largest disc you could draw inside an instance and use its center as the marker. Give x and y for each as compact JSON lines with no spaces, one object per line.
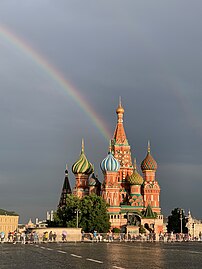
{"x":113,"y":255}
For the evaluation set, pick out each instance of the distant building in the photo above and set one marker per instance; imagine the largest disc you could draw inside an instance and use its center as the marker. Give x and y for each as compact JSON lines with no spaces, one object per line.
{"x":133,"y":199}
{"x":8,"y":221}
{"x":194,"y":226}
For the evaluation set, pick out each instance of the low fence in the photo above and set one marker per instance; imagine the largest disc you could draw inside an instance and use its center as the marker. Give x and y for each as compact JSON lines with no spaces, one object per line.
{"x":38,"y":235}
{"x":58,"y":235}
{"x":150,"y":237}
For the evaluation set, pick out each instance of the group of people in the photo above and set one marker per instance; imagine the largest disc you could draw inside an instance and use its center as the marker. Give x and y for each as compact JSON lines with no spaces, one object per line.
{"x":49,"y":237}
{"x":23,"y":237}
{"x":98,"y":237}
{"x":28,"y":237}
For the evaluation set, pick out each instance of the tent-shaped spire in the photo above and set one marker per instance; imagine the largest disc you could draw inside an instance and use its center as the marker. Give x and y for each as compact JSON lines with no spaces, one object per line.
{"x":149,"y":213}
{"x":66,"y":189}
{"x":119,"y":133}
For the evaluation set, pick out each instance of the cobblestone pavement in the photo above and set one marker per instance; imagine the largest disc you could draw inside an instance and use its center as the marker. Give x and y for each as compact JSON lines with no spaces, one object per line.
{"x":135,"y":255}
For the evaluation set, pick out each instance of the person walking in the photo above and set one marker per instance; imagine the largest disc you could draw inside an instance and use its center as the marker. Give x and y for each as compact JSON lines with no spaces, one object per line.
{"x":23,"y":237}
{"x":2,"y":237}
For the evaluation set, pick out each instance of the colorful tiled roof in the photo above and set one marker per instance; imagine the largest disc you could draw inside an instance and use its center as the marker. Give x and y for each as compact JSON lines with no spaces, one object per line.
{"x":119,"y":133}
{"x":135,"y":178}
{"x":110,"y":164}
{"x":148,"y":163}
{"x":82,"y":166}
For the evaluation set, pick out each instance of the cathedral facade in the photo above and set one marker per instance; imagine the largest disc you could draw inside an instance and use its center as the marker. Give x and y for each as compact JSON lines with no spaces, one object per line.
{"x":133,"y":199}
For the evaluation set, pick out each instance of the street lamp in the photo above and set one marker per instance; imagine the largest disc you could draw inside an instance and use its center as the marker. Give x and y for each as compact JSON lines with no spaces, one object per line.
{"x":77,"y":217}
{"x":193,"y":230}
{"x":127,"y":225}
{"x":181,"y":220}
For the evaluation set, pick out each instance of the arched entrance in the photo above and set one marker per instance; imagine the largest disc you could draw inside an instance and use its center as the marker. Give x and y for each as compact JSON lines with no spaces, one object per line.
{"x":134,"y":219}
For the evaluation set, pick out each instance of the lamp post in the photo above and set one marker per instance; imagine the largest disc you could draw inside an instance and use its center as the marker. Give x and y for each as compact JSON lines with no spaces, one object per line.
{"x":181,"y":220}
{"x":193,"y":231}
{"x":127,"y":226}
{"x":77,"y":217}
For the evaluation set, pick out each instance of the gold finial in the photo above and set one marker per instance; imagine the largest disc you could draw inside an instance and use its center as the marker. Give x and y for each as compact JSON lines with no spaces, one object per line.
{"x":120,"y":101}
{"x":120,"y":109}
{"x":66,"y":169}
{"x":148,"y":147}
{"x":82,"y":145}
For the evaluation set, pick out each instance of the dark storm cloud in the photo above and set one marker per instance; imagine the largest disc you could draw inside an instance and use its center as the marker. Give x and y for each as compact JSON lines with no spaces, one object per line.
{"x":149,"y":52}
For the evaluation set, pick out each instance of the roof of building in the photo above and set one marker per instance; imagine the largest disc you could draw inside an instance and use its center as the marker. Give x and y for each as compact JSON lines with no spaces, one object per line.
{"x":7,"y":213}
{"x":135,"y":178}
{"x":82,"y":165}
{"x":149,"y":213}
{"x":149,"y":163}
{"x":119,"y":133}
{"x":110,"y":164}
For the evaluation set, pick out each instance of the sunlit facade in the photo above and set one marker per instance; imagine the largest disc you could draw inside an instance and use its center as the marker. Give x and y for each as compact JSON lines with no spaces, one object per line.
{"x":133,"y":199}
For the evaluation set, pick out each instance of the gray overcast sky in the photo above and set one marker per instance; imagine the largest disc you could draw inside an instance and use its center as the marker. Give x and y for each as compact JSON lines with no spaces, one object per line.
{"x":149,"y":52}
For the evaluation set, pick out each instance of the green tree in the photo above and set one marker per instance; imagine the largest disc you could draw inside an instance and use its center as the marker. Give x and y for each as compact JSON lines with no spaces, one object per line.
{"x":174,"y":221}
{"x":66,"y":216}
{"x":92,"y":214}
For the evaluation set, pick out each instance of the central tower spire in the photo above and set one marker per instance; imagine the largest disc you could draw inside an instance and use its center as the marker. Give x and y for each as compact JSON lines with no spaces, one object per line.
{"x":119,"y":134}
{"x":120,"y":146}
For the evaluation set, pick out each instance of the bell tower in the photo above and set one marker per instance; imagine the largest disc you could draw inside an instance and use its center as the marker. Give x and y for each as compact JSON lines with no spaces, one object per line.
{"x":122,"y":152}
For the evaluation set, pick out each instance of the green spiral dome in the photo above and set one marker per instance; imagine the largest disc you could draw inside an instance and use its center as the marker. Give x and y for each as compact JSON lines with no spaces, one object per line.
{"x":82,"y":166}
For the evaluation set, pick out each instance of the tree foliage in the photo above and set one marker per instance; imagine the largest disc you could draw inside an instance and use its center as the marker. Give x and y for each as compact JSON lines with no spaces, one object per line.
{"x":92,"y":214}
{"x":174,"y":221}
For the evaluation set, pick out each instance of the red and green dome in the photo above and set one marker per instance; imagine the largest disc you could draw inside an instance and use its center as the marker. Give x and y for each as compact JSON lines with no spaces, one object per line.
{"x":82,"y":166}
{"x":149,"y":163}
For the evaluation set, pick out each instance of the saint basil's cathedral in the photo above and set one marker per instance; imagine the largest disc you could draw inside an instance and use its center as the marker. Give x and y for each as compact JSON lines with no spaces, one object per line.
{"x":133,"y":199}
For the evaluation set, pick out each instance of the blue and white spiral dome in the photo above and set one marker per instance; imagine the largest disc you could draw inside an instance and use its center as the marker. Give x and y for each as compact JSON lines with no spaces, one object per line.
{"x":110,"y":164}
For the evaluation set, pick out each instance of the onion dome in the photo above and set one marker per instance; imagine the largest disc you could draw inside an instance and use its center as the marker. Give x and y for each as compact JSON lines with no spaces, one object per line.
{"x":149,"y":163}
{"x":120,"y":109}
{"x":110,"y":164}
{"x":135,"y":178}
{"x":82,"y":166}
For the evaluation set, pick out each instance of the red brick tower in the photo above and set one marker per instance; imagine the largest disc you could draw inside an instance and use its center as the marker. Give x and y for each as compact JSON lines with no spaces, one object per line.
{"x":121,"y":151}
{"x":151,"y":189}
{"x":82,"y":170}
{"x":110,"y":187}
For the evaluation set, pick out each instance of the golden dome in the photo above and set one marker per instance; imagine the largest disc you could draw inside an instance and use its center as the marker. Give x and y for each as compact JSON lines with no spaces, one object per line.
{"x":120,"y":109}
{"x":135,"y":178}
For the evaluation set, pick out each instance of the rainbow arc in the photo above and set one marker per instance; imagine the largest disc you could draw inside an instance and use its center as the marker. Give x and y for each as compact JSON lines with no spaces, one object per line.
{"x":54,"y":74}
